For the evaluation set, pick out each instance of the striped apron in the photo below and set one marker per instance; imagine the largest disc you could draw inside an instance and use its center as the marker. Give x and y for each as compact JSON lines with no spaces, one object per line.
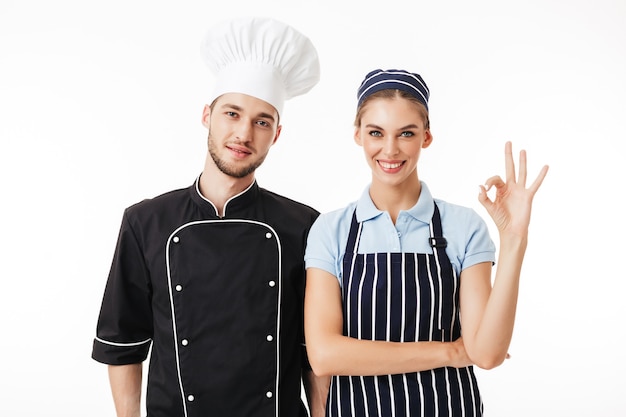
{"x":403,"y":297}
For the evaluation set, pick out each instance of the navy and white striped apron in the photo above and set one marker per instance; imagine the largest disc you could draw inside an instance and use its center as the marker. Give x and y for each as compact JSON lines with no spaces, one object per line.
{"x":403,"y":297}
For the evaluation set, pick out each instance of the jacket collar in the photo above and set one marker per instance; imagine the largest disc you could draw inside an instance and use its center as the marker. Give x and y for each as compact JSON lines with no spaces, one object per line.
{"x":234,"y":204}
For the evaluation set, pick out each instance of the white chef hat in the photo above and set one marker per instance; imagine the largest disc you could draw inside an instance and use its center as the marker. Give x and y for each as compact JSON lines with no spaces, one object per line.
{"x":260,"y":57}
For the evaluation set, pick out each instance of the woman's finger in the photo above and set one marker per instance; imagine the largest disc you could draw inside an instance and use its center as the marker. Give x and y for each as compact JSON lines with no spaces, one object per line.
{"x":483,"y":198}
{"x":539,"y":180}
{"x":494,"y":181}
{"x":523,"y":172}
{"x":508,"y":162}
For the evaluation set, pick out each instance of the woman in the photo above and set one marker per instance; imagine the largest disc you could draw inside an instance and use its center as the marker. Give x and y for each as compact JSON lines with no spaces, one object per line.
{"x":399,"y":303}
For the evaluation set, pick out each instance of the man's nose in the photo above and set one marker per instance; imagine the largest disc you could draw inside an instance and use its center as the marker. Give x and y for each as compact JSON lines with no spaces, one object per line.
{"x":244,"y":130}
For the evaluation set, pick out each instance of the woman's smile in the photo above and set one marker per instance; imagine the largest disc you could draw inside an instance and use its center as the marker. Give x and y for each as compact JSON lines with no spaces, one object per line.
{"x":389,"y":166}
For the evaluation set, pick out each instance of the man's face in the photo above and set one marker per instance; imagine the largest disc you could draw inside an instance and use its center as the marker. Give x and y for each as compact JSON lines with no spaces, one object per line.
{"x":242,"y":129}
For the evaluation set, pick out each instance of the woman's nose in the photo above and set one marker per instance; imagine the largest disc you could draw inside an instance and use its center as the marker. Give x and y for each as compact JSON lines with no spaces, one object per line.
{"x":390,"y":147}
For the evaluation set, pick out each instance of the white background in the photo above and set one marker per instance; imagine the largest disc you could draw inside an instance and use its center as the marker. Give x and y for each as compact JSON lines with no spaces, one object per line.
{"x":100,"y":106}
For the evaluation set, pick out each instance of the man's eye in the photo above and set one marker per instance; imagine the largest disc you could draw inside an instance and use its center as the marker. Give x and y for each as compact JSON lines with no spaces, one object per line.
{"x":263,"y":123}
{"x":231,"y":114}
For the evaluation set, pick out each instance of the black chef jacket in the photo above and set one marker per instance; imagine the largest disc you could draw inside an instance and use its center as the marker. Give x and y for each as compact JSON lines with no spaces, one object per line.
{"x":220,"y":300}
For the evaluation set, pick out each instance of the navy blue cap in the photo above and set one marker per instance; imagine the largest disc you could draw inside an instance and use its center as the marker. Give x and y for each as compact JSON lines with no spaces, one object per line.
{"x":394,"y":79}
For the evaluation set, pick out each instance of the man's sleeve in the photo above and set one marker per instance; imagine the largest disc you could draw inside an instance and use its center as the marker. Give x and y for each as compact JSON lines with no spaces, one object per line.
{"x":124,"y":330}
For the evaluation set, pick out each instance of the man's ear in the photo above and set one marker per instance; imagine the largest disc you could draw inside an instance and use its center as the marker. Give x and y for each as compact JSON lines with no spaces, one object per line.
{"x":278,"y":130}
{"x":206,"y":116}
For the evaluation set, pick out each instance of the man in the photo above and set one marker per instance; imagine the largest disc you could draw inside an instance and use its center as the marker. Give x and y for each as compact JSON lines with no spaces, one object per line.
{"x":211,"y":277}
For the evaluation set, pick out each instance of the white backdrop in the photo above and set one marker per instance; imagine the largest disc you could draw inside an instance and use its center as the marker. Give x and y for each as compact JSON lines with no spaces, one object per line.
{"x":100,"y":106}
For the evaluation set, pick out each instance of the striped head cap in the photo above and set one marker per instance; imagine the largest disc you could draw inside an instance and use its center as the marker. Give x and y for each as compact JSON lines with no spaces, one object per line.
{"x":393,"y":79}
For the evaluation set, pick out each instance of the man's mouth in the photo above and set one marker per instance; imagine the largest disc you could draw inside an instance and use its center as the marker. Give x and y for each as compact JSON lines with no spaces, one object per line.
{"x":239,"y":150}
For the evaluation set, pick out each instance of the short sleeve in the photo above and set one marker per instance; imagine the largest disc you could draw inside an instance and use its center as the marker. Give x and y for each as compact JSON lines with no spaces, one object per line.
{"x":479,"y":247}
{"x":321,"y":247}
{"x":124,"y":329}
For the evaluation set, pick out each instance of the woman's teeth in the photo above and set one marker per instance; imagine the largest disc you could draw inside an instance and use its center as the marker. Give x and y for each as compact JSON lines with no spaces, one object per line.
{"x":388,"y":165}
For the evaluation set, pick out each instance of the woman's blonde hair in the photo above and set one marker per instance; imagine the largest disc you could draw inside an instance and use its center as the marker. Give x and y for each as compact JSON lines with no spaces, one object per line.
{"x":391,"y":94}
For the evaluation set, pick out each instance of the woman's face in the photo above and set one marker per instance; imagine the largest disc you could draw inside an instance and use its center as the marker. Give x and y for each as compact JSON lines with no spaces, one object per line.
{"x":392,"y":135}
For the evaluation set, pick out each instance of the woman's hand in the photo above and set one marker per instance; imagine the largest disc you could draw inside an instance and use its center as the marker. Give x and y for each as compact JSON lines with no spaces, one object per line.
{"x":510,"y":209}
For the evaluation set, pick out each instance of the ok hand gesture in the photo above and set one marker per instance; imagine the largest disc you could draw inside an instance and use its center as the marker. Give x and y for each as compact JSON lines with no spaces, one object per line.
{"x":511,"y":207}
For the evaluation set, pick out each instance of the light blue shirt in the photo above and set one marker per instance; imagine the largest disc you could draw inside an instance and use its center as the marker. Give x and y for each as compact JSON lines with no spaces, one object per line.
{"x":465,"y":231}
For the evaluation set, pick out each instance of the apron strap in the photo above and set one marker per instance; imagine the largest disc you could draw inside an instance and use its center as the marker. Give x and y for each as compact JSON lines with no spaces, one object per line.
{"x":354,"y":235}
{"x":436,"y":240}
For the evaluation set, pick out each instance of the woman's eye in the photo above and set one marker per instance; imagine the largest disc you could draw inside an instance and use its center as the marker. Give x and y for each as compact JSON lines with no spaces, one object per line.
{"x":375,"y":133}
{"x":406,"y":134}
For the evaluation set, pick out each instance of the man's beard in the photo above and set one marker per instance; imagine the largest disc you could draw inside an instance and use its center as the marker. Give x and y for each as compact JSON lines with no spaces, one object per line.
{"x":236,"y":172}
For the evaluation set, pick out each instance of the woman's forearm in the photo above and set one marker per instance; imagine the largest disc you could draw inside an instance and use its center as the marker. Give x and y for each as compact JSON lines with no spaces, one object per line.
{"x":488,"y":345}
{"x":342,"y":355}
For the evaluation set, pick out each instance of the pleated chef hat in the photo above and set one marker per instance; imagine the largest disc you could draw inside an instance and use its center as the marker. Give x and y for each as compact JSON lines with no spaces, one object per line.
{"x":260,"y":57}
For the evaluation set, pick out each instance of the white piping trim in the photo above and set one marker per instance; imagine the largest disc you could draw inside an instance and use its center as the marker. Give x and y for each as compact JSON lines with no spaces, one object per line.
{"x":106,"y":342}
{"x":169,"y":282}
{"x":227,"y":201}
